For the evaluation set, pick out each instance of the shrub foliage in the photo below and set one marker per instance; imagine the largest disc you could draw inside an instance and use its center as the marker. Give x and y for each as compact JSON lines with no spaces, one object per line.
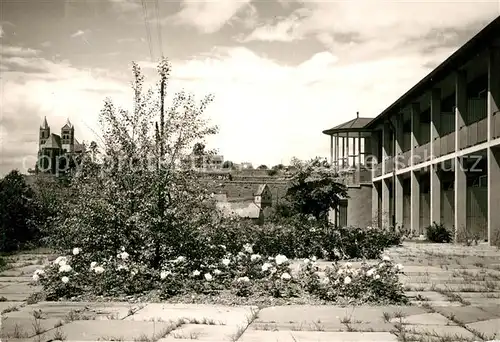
{"x":439,"y":233}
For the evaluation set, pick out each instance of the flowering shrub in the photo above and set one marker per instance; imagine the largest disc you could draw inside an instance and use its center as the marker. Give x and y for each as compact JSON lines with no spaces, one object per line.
{"x":244,"y":274}
{"x":368,"y":283}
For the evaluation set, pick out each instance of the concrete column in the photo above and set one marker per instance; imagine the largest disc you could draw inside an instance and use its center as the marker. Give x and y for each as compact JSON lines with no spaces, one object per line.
{"x":435,"y":118}
{"x":347,"y":149}
{"x":435,"y":194}
{"x":374,"y":142}
{"x":375,"y":209}
{"x":359,"y":149}
{"x":460,"y":188}
{"x":386,"y":215}
{"x":343,"y":152}
{"x":494,"y":196}
{"x":398,"y":202}
{"x":493,"y":88}
{"x":460,"y":104}
{"x":398,"y":125}
{"x":415,"y":129}
{"x":386,"y":145}
{"x":415,"y":202}
{"x":332,"y":147}
{"x":337,"y":151}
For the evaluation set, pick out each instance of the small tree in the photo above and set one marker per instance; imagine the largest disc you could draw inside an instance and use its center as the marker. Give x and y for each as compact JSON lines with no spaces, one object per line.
{"x":262,"y":167}
{"x":19,"y":213}
{"x":314,"y":189}
{"x":228,"y":164}
{"x":139,"y":198}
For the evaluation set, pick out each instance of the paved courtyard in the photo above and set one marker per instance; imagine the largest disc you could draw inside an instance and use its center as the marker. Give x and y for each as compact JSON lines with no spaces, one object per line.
{"x":455,"y":293}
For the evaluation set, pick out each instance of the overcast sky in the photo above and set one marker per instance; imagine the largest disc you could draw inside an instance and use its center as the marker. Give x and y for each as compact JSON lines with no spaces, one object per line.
{"x":281,"y":71}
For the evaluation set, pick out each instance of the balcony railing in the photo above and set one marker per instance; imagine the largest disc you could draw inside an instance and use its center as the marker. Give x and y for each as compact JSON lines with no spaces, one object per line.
{"x":389,"y":165}
{"x":378,"y":170}
{"x":447,"y":144}
{"x":422,"y":153}
{"x":404,"y":160}
{"x":436,"y":145}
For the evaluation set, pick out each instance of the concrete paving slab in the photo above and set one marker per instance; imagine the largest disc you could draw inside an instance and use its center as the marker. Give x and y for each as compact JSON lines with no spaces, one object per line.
{"x":26,"y":326}
{"x":201,"y":332}
{"x":109,"y":330}
{"x":439,"y":330}
{"x":424,"y":319}
{"x":69,"y":311}
{"x":466,"y":314}
{"x":195,"y":312}
{"x":331,"y":314}
{"x":315,"y":336}
{"x":323,"y":326}
{"x":490,"y":328}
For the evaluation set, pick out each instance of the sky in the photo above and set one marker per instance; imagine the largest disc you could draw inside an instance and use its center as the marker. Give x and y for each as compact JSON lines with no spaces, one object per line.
{"x":281,"y":71}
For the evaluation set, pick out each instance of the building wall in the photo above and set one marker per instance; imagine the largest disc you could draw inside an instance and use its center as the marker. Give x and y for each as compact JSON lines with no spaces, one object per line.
{"x":359,"y":208}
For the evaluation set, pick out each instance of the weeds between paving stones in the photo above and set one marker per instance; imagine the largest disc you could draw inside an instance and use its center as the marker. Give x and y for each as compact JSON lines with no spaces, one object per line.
{"x":254,"y":313}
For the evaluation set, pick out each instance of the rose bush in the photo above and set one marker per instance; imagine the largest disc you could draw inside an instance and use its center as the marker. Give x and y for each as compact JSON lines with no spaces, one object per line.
{"x":243,"y":274}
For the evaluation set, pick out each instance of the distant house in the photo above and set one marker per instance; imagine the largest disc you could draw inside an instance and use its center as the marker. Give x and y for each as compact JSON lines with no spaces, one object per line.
{"x":251,"y":207}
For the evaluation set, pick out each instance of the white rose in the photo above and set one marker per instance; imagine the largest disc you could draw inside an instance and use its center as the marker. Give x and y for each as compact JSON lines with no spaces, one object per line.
{"x":265,"y":266}
{"x":399,"y":267}
{"x":243,"y":279}
{"x":255,"y":257}
{"x":65,"y":268}
{"x":208,"y":276}
{"x":180,"y":259}
{"x":306,"y":261}
{"x":286,"y":276}
{"x":164,"y":274}
{"x":76,"y":251}
{"x":386,"y":258}
{"x":124,"y":255}
{"x":325,"y":280}
{"x":36,"y":277}
{"x":370,"y":272}
{"x":226,"y":262}
{"x":248,"y":248}
{"x":98,"y":269}
{"x":217,"y":271}
{"x":347,"y":280}
{"x":65,"y":280}
{"x":377,"y":276}
{"x":196,"y":273}
{"x":280,"y":259}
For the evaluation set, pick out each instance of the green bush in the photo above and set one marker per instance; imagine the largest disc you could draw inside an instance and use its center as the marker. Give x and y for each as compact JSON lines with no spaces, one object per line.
{"x":19,"y":213}
{"x":303,"y":237}
{"x":438,"y":233}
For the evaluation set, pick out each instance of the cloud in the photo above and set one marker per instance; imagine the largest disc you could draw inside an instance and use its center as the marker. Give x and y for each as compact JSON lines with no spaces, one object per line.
{"x":126,"y":5}
{"x":56,"y":90}
{"x":1,"y":31}
{"x":208,"y":16}
{"x":341,"y":25}
{"x":78,"y":33}
{"x":9,"y":50}
{"x":46,"y":44}
{"x":269,"y":112}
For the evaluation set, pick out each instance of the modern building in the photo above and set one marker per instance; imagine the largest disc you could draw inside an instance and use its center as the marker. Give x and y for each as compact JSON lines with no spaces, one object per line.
{"x":434,"y":154}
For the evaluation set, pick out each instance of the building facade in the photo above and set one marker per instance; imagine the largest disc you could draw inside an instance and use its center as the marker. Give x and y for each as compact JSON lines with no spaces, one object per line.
{"x":434,"y":154}
{"x":57,"y":153}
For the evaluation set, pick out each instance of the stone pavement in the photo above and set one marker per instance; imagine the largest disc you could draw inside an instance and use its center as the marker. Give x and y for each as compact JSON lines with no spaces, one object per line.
{"x":455,"y":291}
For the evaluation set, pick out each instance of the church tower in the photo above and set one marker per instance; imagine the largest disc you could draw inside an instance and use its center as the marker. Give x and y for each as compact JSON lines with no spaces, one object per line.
{"x":44,"y":133}
{"x":68,"y":137}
